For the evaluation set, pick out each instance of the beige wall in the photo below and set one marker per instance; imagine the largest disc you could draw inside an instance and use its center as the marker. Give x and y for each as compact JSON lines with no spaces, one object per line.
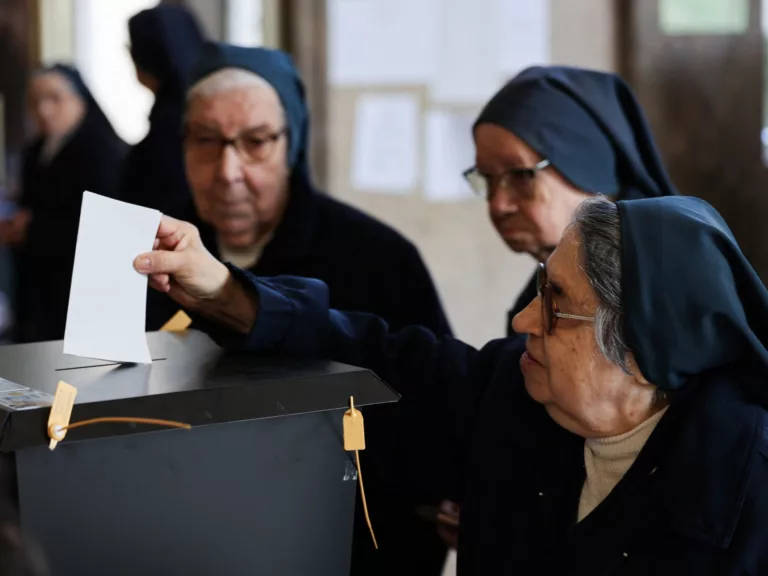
{"x":476,"y":275}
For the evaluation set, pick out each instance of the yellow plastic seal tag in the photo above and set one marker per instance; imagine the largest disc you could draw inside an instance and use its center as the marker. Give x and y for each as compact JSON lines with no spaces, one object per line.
{"x":178,"y":323}
{"x":61,"y":412}
{"x":354,"y":441}
{"x":354,"y":429}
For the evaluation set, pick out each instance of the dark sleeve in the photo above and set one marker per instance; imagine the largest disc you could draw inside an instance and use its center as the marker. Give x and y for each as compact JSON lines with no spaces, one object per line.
{"x":433,"y":374}
{"x":416,"y":301}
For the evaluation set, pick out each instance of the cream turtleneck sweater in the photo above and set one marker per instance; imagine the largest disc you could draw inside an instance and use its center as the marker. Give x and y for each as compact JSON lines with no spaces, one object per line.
{"x":606,"y":460}
{"x":243,"y":258}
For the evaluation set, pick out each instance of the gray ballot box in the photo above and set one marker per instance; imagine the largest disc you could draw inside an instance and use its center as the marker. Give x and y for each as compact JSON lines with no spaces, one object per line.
{"x":261,"y":484}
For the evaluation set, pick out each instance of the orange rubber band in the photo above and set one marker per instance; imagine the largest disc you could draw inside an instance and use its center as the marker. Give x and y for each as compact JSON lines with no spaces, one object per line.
{"x":119,"y":419}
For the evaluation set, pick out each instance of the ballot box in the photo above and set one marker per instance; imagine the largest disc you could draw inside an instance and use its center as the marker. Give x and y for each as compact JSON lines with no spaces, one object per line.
{"x":261,"y":483}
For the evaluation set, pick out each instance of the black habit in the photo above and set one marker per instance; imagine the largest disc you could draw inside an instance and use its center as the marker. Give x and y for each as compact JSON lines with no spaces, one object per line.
{"x":369,"y":266}
{"x":695,"y":499}
{"x":165,"y":42}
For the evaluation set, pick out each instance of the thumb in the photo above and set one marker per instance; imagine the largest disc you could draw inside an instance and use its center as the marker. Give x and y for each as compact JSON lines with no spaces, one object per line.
{"x":161,"y":262}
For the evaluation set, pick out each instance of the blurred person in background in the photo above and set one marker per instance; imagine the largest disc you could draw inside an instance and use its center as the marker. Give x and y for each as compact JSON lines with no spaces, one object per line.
{"x":165,"y":43}
{"x":76,"y":150}
{"x":246,"y":147}
{"x":548,"y":140}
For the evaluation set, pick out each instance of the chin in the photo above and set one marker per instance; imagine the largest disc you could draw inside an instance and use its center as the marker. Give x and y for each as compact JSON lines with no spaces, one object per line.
{"x":521,"y":245}
{"x":537,"y":389}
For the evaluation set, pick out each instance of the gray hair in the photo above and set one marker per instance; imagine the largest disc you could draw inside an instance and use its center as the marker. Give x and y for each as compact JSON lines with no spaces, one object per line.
{"x":225,"y":80}
{"x":597,"y":220}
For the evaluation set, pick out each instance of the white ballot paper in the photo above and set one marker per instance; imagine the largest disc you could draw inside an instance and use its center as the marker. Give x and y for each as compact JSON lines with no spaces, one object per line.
{"x":108,"y":298}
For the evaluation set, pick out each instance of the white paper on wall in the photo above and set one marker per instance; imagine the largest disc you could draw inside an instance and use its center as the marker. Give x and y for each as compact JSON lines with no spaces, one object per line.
{"x":385,"y":157}
{"x":449,"y":151}
{"x":522,"y":35}
{"x":381,"y":42}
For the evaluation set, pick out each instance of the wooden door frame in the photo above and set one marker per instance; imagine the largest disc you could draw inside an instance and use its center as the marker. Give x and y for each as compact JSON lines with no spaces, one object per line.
{"x":303,"y":34}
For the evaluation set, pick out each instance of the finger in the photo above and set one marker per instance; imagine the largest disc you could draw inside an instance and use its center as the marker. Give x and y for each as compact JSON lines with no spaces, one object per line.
{"x":161,"y":278}
{"x":159,"y":286}
{"x":161,"y":262}
{"x":172,"y":231}
{"x":178,"y":294}
{"x":168,"y":226}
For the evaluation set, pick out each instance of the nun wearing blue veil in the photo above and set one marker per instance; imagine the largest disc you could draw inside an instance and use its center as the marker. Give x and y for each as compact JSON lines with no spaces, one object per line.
{"x":551,"y":138}
{"x":626,"y":433}
{"x":165,"y":44}
{"x":247,"y":127}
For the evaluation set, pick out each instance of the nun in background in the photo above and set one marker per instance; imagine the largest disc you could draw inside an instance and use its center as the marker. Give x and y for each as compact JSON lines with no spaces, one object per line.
{"x":165,"y":43}
{"x":77,"y":150}
{"x":626,"y":433}
{"x":551,"y":138}
{"x":247,"y":133}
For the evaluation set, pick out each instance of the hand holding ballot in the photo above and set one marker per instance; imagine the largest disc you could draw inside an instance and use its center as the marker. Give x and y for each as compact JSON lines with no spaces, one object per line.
{"x":182,"y":267}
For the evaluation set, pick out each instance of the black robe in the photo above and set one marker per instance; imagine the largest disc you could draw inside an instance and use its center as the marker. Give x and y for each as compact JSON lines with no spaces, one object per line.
{"x":523,"y":299}
{"x":90,"y":160}
{"x":165,"y":42}
{"x":153,"y":172}
{"x":369,"y":267}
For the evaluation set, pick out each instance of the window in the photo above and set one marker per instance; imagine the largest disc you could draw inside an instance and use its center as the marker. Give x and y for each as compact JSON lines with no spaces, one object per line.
{"x":101,"y":54}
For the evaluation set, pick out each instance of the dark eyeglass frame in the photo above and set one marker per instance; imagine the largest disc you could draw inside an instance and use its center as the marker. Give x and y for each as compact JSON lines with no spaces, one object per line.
{"x":523,"y":172}
{"x":236,"y":142}
{"x":549,"y":311}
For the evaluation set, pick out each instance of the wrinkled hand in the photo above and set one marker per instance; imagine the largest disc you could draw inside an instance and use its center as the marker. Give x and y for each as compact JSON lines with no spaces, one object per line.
{"x":181,"y":266}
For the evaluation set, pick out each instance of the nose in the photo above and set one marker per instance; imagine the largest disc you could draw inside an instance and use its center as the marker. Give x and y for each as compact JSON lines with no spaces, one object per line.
{"x":528,"y":320}
{"x":500,"y":203}
{"x":230,"y":166}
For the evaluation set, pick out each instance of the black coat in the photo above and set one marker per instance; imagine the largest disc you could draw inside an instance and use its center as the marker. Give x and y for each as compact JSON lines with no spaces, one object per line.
{"x":523,"y":299}
{"x":153,"y":172}
{"x":369,"y":267}
{"x":89,"y":161}
{"x":694,"y":501}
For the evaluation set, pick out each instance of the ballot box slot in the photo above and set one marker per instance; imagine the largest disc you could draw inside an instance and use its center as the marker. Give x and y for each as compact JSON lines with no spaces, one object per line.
{"x":103,"y":365}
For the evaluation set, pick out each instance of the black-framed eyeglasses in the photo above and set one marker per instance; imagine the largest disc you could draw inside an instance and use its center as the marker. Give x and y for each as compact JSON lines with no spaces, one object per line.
{"x":549,"y":311}
{"x":252,"y":148}
{"x":516,"y":181}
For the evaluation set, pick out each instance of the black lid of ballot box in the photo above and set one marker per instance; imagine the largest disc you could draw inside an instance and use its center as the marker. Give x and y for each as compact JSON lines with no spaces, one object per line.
{"x":190,"y":380}
{"x":261,"y":484}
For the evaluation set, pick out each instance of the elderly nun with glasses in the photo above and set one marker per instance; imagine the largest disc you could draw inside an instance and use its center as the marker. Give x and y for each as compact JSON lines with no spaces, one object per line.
{"x":548,"y":140}
{"x":625,"y":433}
{"x":247,"y":163}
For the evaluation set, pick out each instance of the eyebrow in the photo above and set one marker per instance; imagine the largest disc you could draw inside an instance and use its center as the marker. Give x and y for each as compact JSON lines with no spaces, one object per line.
{"x":263,"y":127}
{"x":506,"y":167}
{"x":557,"y":288}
